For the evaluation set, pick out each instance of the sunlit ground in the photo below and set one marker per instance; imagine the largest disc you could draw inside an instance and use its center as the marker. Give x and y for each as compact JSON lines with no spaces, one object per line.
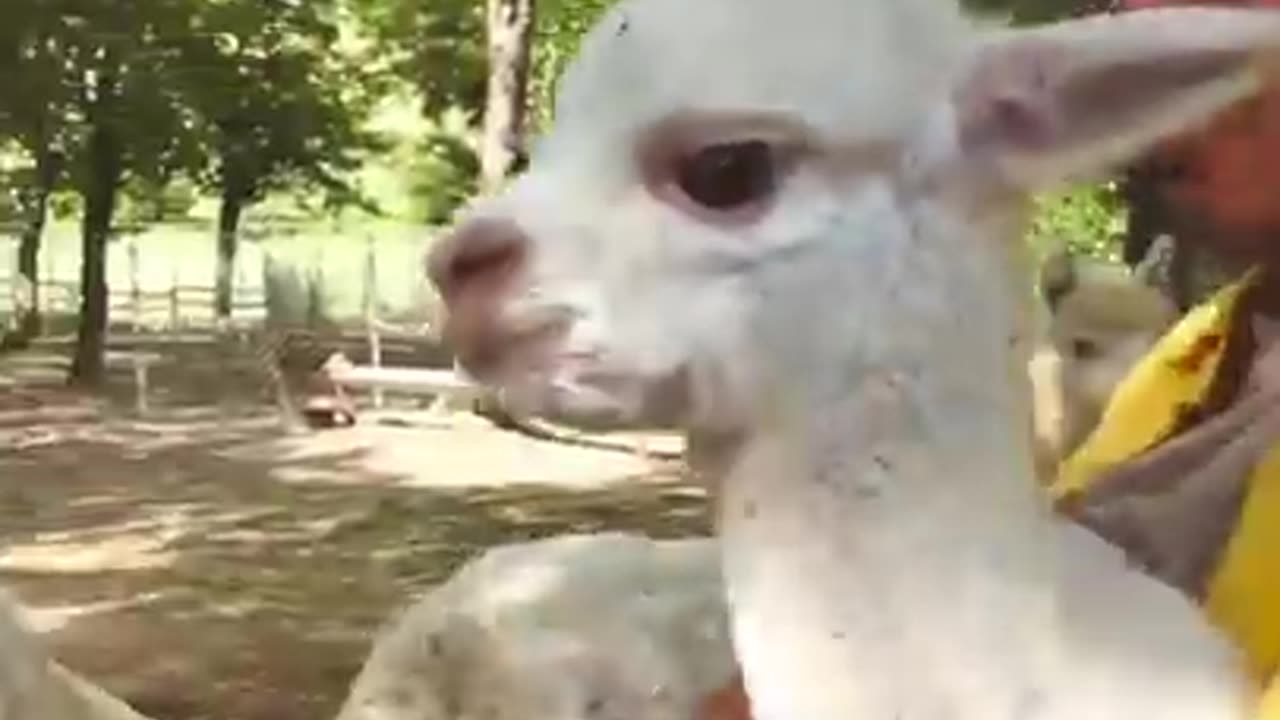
{"x":202,"y":564}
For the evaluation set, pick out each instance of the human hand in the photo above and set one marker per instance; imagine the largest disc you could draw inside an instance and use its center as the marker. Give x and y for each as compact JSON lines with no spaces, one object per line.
{"x":1264,"y":371}
{"x":1264,"y":376}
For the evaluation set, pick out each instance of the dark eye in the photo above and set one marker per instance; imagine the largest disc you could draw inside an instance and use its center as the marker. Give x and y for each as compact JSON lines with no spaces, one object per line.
{"x":1084,"y":349}
{"x":729,"y":175}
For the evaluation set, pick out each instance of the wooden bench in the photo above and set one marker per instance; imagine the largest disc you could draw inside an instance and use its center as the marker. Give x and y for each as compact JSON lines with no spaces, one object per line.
{"x":445,"y":384}
{"x":453,"y":385}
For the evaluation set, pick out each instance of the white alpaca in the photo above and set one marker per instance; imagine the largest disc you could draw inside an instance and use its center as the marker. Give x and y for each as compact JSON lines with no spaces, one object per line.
{"x":580,"y":627}
{"x":790,"y":228}
{"x":1101,"y":319}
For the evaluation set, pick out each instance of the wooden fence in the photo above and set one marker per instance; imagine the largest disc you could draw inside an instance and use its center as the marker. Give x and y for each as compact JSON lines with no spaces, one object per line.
{"x":173,"y":309}
{"x":163,"y":278}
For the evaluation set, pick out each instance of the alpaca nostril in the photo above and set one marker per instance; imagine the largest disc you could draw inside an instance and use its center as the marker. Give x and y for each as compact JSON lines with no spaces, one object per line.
{"x":481,"y":252}
{"x":478,"y":262}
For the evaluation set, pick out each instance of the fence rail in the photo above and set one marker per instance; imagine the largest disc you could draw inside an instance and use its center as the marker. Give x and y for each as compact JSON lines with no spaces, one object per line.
{"x":177,"y":308}
{"x":351,"y":294}
{"x":298,"y":278}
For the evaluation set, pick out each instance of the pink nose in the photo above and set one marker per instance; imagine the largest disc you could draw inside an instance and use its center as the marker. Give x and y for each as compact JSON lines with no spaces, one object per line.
{"x":471,"y":268}
{"x":476,"y":260}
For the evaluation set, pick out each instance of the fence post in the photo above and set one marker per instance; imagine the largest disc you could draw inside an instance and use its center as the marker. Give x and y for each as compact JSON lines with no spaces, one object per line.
{"x":15,"y":285}
{"x":370,"y":302}
{"x":315,"y":287}
{"x":241,"y":289}
{"x":47,"y":278}
{"x":174,"y":306}
{"x":135,"y":284}
{"x":141,"y":384}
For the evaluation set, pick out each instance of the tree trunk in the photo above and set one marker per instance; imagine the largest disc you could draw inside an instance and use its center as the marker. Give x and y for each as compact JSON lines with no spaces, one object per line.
{"x":29,"y":322}
{"x":102,"y":185}
{"x":510,"y":36}
{"x":228,"y":241}
{"x":37,"y":211}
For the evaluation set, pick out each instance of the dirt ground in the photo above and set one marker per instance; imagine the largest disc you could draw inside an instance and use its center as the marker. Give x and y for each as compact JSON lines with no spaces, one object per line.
{"x":199,"y":563}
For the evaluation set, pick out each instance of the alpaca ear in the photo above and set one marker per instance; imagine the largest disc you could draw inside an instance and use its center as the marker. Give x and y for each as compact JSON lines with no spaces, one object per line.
{"x":1066,"y":102}
{"x":1154,"y":268}
{"x":1057,"y":277}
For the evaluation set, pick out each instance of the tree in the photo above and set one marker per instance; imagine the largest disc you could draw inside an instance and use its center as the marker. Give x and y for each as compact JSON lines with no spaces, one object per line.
{"x":437,"y":46}
{"x":245,"y":96}
{"x":438,"y":50}
{"x":561,"y":25}
{"x":100,"y":176}
{"x":444,"y":48}
{"x":121,"y":56}
{"x":277,"y":105}
{"x":509,"y":32}
{"x":34,"y":105}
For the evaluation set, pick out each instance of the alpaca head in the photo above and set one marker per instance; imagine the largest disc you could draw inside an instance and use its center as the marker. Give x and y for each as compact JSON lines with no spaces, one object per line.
{"x":1103,"y":320}
{"x":739,"y":191}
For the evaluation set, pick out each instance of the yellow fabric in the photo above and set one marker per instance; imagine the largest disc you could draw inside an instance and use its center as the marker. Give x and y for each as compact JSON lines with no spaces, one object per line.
{"x":1144,"y":406}
{"x":1269,"y":708}
{"x":1244,"y":592}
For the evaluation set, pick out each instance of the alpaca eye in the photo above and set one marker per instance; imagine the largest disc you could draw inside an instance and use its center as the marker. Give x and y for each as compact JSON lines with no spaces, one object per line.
{"x":729,"y":175}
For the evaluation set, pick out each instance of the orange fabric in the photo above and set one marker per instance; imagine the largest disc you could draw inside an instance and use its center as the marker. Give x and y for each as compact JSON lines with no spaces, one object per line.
{"x":1227,"y":170}
{"x":1145,"y":4}
{"x":728,"y":703}
{"x":1269,"y":707}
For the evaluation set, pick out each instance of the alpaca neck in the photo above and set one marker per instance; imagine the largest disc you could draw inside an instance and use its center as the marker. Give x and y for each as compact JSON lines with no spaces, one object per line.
{"x":886,"y":551}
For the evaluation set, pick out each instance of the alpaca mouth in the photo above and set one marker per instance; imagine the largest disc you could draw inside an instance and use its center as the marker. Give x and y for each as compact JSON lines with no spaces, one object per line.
{"x":496,"y":353}
{"x":589,"y":391}
{"x":531,"y":361}
{"x":602,"y":394}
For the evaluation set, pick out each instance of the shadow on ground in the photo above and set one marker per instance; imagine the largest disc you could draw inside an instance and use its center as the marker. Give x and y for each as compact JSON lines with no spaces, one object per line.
{"x":198,"y":580}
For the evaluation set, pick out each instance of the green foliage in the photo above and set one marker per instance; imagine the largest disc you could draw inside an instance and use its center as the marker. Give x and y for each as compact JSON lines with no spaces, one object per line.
{"x":1090,"y":221}
{"x":444,"y":174}
{"x":437,"y":48}
{"x":15,"y":172}
{"x":243,"y":96}
{"x":437,"y":45}
{"x":144,"y":202}
{"x":66,"y":204}
{"x":276,"y":100}
{"x":1025,"y":12}
{"x":561,"y":25}
{"x":39,"y":108}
